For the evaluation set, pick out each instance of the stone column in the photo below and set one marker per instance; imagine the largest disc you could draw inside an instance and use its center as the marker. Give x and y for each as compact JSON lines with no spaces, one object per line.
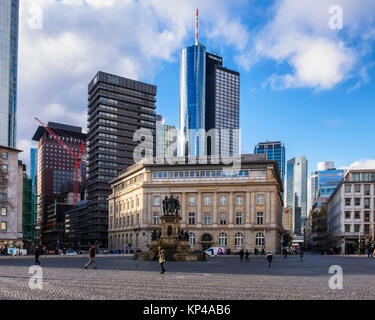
{"x":149,"y":201}
{"x":199,"y":213}
{"x":247,"y":208}
{"x":183,"y":211}
{"x":252,"y":208}
{"x":231,"y":208}
{"x":214,"y":206}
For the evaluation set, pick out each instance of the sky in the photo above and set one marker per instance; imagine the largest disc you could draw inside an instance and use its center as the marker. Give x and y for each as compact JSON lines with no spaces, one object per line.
{"x":307,"y":76}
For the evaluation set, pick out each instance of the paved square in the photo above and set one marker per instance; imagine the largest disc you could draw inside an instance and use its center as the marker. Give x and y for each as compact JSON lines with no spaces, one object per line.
{"x":119,"y":277}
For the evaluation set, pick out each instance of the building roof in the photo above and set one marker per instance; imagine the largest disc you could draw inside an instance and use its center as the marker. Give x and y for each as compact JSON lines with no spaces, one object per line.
{"x":10,"y":148}
{"x":59,"y":127}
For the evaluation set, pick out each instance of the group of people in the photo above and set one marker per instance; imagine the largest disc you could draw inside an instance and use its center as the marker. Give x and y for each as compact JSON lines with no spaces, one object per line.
{"x":246,"y":254}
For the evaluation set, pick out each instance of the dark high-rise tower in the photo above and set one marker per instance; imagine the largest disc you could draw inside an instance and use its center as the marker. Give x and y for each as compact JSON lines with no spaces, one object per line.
{"x":9,"y":11}
{"x":117,"y":108}
{"x":222,"y":106}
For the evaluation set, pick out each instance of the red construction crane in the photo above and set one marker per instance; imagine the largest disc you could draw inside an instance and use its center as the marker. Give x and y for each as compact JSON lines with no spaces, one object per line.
{"x":78,"y":158}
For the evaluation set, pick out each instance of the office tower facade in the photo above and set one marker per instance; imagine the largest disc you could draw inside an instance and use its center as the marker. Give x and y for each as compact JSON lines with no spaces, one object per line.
{"x":165,"y":137}
{"x":209,"y":99}
{"x":34,"y":167}
{"x":117,"y":108}
{"x":325,"y":180}
{"x":274,"y":151}
{"x":192,"y":100}
{"x":9,"y":12}
{"x":297,"y":192}
{"x":55,"y":169}
{"x":222,"y":107}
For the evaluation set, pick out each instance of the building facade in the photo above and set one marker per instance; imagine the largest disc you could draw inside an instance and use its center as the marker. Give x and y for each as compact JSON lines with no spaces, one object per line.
{"x":351,"y":211}
{"x":28,"y":212}
{"x":9,"y":12}
{"x":117,"y":108}
{"x":297,"y":193}
{"x":166,"y":137}
{"x":11,"y":191}
{"x":55,"y":168}
{"x":219,"y":206}
{"x":34,"y":167}
{"x":274,"y":151}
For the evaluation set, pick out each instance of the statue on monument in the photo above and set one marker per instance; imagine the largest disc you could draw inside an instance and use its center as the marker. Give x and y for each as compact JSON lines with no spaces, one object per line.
{"x":171,"y":206}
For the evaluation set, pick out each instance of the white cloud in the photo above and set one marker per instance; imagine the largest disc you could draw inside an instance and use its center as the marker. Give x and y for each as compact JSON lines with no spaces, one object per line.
{"x":80,"y":37}
{"x":363,"y":164}
{"x":298,"y":35}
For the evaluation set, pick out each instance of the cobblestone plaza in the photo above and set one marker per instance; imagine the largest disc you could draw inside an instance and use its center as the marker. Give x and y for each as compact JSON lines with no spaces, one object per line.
{"x":224,"y":278}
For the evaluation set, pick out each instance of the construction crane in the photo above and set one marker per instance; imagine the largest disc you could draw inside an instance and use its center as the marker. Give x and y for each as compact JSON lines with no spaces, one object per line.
{"x":78,"y":159}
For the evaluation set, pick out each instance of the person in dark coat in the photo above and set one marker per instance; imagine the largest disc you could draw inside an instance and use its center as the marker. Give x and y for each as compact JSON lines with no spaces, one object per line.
{"x":263,"y":252}
{"x":241,"y":255}
{"x":37,"y":254}
{"x":204,"y":256}
{"x":91,"y":258}
{"x":269,"y":259}
{"x":247,"y":255}
{"x":301,"y":254}
{"x":285,"y":253}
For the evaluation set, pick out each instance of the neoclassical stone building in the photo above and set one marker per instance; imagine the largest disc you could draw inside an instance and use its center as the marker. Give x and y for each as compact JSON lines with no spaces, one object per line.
{"x":219,"y":206}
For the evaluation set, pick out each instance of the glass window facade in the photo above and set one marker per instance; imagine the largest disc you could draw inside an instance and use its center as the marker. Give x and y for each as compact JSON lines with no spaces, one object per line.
{"x":8,"y":71}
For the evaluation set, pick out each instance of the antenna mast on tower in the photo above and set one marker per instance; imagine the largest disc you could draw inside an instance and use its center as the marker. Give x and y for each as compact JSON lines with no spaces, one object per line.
{"x":196,"y":26}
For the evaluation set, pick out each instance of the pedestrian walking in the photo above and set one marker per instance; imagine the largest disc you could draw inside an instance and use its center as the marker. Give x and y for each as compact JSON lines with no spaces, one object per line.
{"x":37,"y":254}
{"x":301,"y":254}
{"x":241,"y":255}
{"x":162,"y":259}
{"x":370,"y":252}
{"x":247,"y":253}
{"x":91,"y":258}
{"x":45,"y":251}
{"x":263,"y":252}
{"x":285,"y":253}
{"x":269,"y":259}
{"x":204,"y":256}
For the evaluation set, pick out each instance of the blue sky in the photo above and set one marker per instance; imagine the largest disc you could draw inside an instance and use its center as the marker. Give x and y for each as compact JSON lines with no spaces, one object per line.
{"x":301,"y":82}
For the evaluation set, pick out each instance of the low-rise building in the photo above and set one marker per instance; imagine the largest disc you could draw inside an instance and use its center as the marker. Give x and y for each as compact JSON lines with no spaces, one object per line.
{"x":11,"y":186}
{"x":219,"y":206}
{"x":351,"y":212}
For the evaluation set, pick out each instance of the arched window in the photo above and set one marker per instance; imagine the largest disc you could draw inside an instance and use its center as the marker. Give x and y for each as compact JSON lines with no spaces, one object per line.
{"x":239,"y":239}
{"x":222,"y":239}
{"x":259,"y":239}
{"x":206,"y":237}
{"x":191,"y":239}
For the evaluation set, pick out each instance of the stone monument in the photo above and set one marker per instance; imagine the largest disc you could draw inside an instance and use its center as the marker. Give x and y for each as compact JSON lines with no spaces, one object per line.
{"x":171,"y":238}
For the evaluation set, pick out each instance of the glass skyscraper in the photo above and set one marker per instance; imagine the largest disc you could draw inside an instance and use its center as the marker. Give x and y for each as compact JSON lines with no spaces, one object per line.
{"x":192,"y":100}
{"x":34,"y":167}
{"x":325,"y":180}
{"x":9,"y":11}
{"x":297,"y":193}
{"x":274,"y":151}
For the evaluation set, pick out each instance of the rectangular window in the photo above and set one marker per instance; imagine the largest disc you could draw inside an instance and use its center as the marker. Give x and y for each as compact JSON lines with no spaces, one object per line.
{"x":191,"y":218}
{"x":239,"y":201}
{"x":357,"y":202}
{"x":238,"y":218}
{"x":367,"y":229}
{"x":156,"y":218}
{"x":357,"y":215}
{"x":260,"y":199}
{"x":367,"y":189}
{"x":357,"y":227}
{"x":3,"y":211}
{"x":347,"y":214}
{"x":5,"y":168}
{"x":357,"y":188}
{"x":207,"y":218}
{"x":5,"y":155}
{"x":3,"y":226}
{"x":356,"y":177}
{"x":347,"y":202}
{"x":367,"y":216}
{"x":223,"y":218}
{"x":4,"y":197}
{"x":207,"y":200}
{"x":348,"y":188}
{"x":347,"y":228}
{"x":192,"y":201}
{"x":367,"y":203}
{"x":260,"y":218}
{"x":156,"y":201}
{"x":223,"y":200}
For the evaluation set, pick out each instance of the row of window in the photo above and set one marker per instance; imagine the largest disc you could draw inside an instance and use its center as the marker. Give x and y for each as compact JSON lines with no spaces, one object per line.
{"x":238,"y":239}
{"x":357,"y":188}
{"x":357,"y":202}
{"x":357,"y":228}
{"x":357,"y":215}
{"x":227,"y":174}
{"x":357,"y":177}
{"x":208,"y":200}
